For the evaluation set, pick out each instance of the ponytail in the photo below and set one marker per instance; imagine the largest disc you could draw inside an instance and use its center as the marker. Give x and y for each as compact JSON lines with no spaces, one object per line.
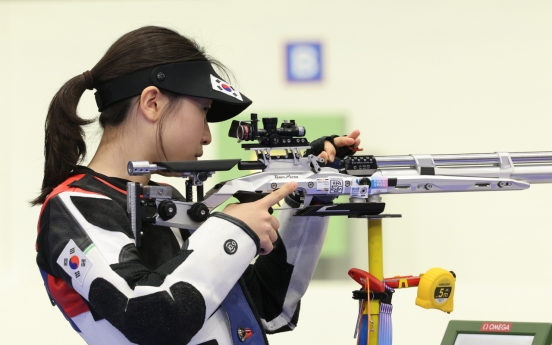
{"x":64,"y":145}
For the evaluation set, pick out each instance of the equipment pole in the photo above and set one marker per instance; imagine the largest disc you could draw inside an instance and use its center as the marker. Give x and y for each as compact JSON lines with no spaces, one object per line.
{"x":375,"y":267}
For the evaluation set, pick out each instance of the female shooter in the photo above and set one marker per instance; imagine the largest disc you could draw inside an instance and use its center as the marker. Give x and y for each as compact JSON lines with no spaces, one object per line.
{"x":157,"y":91}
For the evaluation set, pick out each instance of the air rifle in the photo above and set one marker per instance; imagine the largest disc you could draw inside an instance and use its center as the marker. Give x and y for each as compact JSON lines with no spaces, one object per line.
{"x":362,"y":178}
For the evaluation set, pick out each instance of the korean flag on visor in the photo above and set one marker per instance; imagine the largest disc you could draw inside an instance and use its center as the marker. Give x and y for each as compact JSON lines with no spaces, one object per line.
{"x":224,"y":87}
{"x":191,"y":78}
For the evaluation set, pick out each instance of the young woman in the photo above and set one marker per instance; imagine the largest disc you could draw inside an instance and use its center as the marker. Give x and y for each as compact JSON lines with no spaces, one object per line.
{"x":157,"y":91}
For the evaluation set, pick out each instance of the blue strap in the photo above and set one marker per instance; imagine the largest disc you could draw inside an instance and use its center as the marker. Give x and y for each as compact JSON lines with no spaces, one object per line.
{"x":242,"y":320}
{"x":364,"y":330}
{"x":385,"y":329}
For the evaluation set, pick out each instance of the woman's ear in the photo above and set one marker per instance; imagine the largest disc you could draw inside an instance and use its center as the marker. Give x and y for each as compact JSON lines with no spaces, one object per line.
{"x":152,"y":102}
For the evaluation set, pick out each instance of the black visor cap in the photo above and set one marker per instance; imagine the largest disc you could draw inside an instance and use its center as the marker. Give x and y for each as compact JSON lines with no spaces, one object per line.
{"x":190,"y":78}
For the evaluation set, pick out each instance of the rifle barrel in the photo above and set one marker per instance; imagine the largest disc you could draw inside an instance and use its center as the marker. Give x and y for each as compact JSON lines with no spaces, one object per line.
{"x":466,"y":159}
{"x":531,"y":167}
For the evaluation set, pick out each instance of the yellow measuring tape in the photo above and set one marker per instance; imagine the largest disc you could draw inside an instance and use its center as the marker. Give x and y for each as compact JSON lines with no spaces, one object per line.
{"x":436,"y":290}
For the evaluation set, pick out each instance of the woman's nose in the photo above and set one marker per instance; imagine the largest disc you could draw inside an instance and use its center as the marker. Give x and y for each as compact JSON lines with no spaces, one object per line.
{"x":206,"y":140}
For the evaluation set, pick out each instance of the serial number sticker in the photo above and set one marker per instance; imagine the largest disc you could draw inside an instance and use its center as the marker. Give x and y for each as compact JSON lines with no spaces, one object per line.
{"x":323,"y":185}
{"x":336,"y":186}
{"x":379,"y":183}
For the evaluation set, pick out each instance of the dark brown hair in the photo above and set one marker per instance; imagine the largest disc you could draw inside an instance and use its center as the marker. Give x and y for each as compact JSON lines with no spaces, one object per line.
{"x":64,"y":143}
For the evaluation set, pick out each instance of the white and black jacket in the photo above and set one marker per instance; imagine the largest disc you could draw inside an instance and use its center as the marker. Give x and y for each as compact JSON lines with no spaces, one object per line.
{"x":176,"y":288}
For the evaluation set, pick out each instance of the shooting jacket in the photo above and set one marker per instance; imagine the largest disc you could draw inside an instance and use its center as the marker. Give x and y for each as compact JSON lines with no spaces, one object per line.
{"x":178,"y":287}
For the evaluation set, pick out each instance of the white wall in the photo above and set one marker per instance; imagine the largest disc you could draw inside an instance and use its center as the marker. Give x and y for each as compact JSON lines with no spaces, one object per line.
{"x":415,"y":77}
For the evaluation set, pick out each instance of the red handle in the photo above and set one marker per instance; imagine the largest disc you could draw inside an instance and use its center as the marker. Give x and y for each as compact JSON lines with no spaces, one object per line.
{"x":360,"y":277}
{"x":399,"y":282}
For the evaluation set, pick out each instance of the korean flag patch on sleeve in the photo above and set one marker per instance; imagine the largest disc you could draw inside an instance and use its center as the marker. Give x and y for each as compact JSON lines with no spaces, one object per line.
{"x":222,"y":86}
{"x":74,"y":262}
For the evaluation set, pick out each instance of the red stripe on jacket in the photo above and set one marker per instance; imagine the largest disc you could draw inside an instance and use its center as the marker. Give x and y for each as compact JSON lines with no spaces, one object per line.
{"x":66,"y":298}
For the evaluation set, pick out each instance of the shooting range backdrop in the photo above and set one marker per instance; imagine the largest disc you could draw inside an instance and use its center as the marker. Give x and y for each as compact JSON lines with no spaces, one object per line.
{"x":425,"y":77}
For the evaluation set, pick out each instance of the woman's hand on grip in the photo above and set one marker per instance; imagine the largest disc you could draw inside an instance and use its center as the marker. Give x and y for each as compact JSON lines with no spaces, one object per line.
{"x":256,"y":215}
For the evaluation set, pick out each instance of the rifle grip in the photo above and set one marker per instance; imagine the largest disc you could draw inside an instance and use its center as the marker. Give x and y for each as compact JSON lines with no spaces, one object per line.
{"x":246,"y":196}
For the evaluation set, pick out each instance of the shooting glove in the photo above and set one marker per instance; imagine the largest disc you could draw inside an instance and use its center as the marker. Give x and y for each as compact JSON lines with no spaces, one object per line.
{"x":317,"y":147}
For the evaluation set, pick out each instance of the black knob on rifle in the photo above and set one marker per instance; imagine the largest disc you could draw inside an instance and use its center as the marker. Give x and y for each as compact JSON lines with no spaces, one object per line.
{"x":365,"y":182}
{"x":199,"y":212}
{"x":202,"y":176}
{"x":274,"y":139}
{"x":166,"y":209}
